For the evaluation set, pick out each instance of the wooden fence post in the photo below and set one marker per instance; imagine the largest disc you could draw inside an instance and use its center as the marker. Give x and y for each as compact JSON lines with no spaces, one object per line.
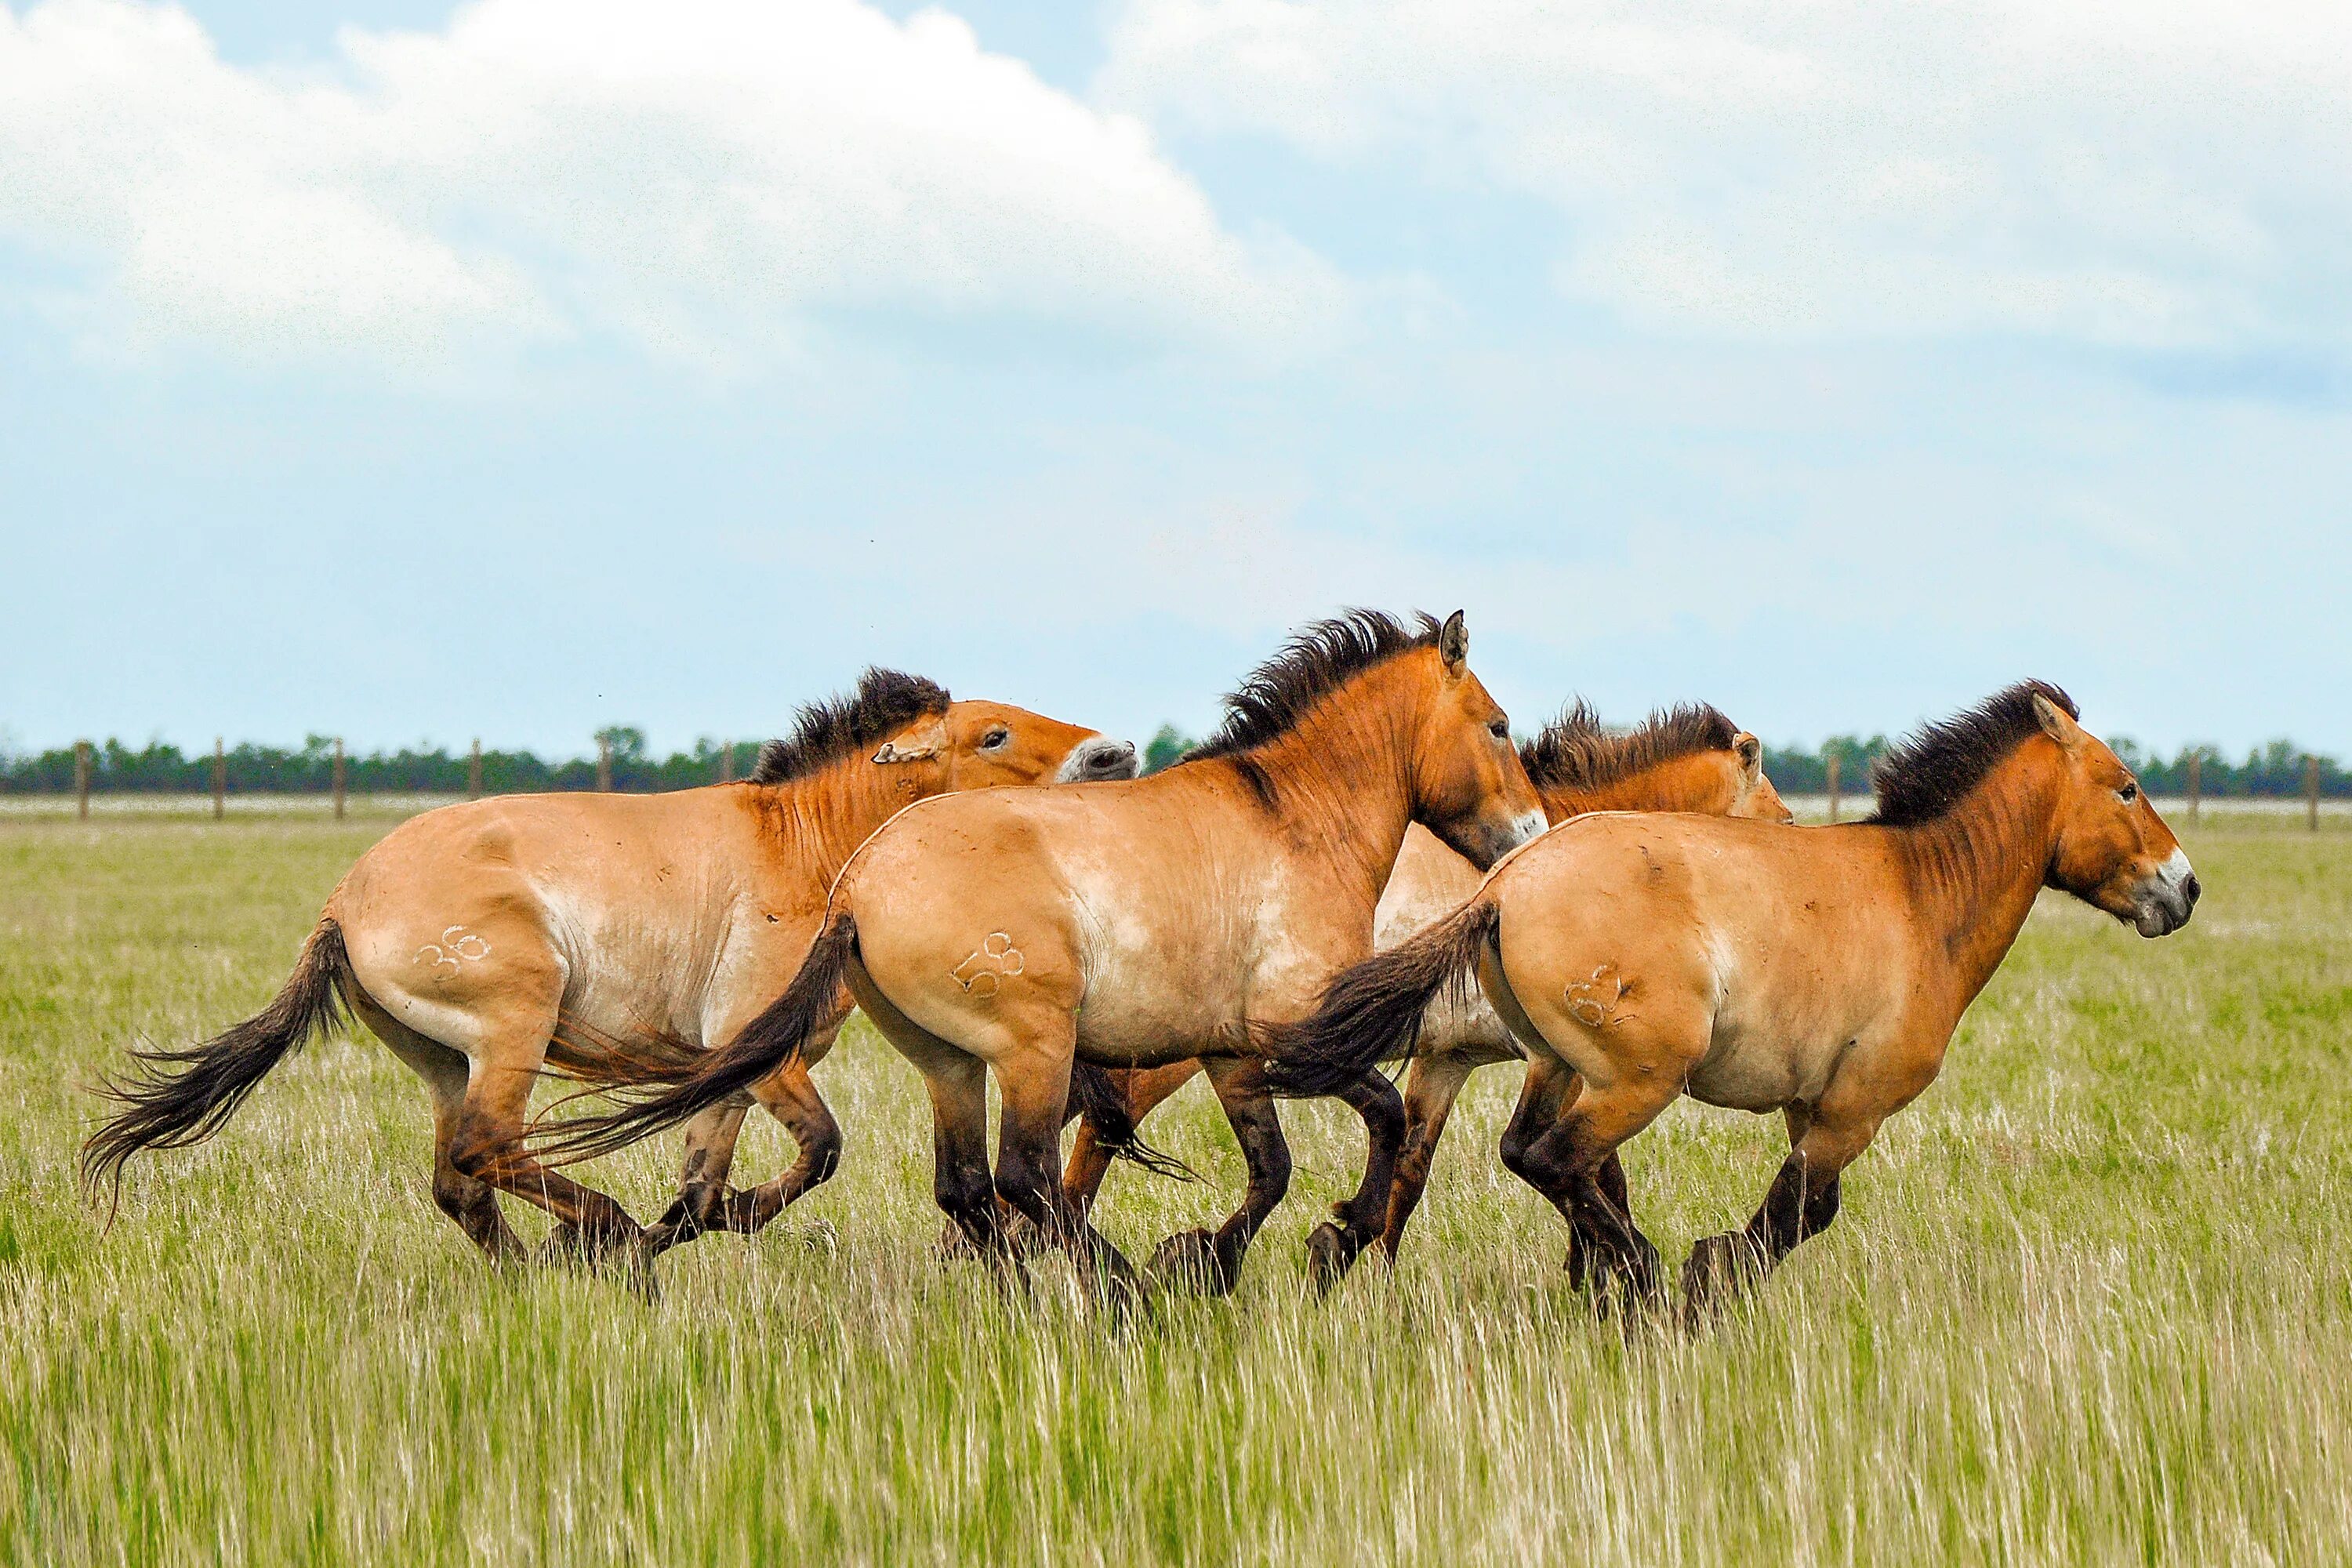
{"x":2311,"y":788}
{"x":220,"y":778}
{"x":604,"y":764}
{"x":2196,"y":780}
{"x":474,"y":771}
{"x":339,"y":778}
{"x":1830,"y":755}
{"x":726,"y":762}
{"x":81,"y":780}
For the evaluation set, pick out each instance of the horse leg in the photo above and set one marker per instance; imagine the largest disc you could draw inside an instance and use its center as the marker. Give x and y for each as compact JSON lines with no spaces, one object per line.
{"x":1566,"y":1163}
{"x":1800,"y":1204}
{"x":488,"y":1146}
{"x":1335,"y":1245}
{"x":1034,"y":1085}
{"x":1212,"y":1260}
{"x":472,"y":1204}
{"x":958,"y":1085}
{"x":1431,"y":1087}
{"x":791,"y":1096}
{"x":1141,"y":1091}
{"x":702,"y":1173}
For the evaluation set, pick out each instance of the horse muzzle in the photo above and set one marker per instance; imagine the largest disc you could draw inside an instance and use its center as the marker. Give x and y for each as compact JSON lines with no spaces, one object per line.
{"x":2166,"y":900}
{"x":1100,"y":758}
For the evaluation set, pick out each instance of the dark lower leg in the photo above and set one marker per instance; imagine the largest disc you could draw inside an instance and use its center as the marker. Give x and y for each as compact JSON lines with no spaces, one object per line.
{"x":1212,"y":1259}
{"x":1028,"y":1140}
{"x":1334,"y":1247}
{"x":1800,"y":1203}
{"x":1430,"y":1089}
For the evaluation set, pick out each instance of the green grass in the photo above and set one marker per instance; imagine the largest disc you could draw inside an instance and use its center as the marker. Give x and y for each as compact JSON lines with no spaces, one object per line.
{"x":2089,"y":1301}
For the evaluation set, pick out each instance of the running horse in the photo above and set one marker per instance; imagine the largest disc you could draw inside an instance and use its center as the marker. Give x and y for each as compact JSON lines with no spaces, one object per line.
{"x":483,"y":941}
{"x":1688,"y":758}
{"x":1026,"y":932}
{"x":1818,"y":972}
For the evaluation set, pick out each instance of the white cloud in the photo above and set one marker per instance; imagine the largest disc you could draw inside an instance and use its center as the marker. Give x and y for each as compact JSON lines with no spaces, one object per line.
{"x":694,"y":176}
{"x":2146,"y":174}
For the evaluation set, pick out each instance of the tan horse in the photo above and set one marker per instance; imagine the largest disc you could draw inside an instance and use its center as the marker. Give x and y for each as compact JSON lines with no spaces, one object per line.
{"x":1167,"y":918}
{"x":1818,"y":972}
{"x":1689,"y":758}
{"x":480,"y":941}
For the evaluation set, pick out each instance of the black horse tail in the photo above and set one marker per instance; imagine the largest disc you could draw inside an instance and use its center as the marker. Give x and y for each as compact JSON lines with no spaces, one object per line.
{"x":1098,"y":1099}
{"x":671,"y":1093}
{"x":1373,"y":1012}
{"x":174,"y":1098}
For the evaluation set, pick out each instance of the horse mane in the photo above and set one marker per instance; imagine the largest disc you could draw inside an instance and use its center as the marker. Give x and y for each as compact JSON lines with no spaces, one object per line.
{"x":1316,"y":662}
{"x":1926,"y":774}
{"x":885,"y":701}
{"x":1575,"y":752}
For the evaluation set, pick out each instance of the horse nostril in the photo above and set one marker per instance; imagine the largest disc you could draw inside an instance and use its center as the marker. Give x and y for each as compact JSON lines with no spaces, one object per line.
{"x":2189,"y":889}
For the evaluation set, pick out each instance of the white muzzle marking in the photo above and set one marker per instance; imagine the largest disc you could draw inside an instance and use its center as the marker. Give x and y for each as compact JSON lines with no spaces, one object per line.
{"x":1097,"y":758}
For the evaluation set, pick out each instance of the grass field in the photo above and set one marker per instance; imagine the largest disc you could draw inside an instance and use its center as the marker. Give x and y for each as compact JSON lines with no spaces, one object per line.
{"x":2089,"y":1301}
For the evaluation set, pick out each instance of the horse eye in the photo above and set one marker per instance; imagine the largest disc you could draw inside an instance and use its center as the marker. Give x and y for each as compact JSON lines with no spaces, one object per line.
{"x":994,"y":739}
{"x":1500,"y":729}
{"x":2130,"y":792}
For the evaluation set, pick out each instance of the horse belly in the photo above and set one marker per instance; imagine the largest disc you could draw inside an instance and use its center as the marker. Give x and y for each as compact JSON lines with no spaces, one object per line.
{"x":1762,"y":1065}
{"x":1145,"y":1006}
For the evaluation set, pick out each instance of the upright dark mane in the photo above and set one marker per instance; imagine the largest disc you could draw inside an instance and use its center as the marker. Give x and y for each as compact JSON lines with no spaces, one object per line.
{"x":885,"y":701}
{"x":1926,"y":774}
{"x":1574,"y":751}
{"x":1312,"y":664}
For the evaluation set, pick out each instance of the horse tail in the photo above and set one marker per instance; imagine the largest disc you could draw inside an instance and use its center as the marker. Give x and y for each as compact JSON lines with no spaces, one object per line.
{"x":1105,"y":1109}
{"x":669,"y":1092}
{"x":1373,"y":1011}
{"x":174,"y":1098}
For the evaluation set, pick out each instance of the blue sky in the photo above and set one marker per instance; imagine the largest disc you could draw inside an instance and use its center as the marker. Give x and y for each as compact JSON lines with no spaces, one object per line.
{"x":409,"y":373}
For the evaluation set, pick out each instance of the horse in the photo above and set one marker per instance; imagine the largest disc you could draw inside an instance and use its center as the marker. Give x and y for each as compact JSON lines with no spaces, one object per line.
{"x":1815,"y":971}
{"x":1167,"y":918}
{"x":1688,"y":758}
{"x":483,"y":941}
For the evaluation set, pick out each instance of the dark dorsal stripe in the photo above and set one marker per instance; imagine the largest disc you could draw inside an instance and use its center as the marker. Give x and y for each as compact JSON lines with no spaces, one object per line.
{"x":1574,"y":751}
{"x":885,"y":701}
{"x":1314,"y":664}
{"x":1927,"y":773}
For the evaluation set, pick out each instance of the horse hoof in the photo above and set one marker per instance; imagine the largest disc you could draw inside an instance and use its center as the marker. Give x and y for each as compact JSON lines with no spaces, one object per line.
{"x":1716,"y":1268}
{"x":1331,"y":1251}
{"x":953,"y":1243}
{"x":1188,"y":1261}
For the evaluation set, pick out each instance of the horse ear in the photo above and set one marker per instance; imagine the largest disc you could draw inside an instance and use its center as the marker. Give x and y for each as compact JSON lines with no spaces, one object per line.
{"x":1453,"y":643}
{"x":915,"y":745}
{"x":2055,"y":723}
{"x":1752,"y":754}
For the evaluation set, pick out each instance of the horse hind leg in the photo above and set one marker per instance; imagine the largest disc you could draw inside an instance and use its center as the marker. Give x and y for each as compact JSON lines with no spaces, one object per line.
{"x":702,"y":1172}
{"x":472,"y":1204}
{"x":1431,"y":1086}
{"x":1034,"y":1084}
{"x":1566,"y":1164}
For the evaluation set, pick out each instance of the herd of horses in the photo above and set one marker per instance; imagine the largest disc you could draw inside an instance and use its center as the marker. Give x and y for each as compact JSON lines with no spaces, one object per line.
{"x":1359,"y":867}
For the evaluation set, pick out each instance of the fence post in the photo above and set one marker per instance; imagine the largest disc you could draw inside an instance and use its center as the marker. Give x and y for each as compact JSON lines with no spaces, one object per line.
{"x":604,"y":764}
{"x":1830,"y":755}
{"x":726,"y":762}
{"x":220,"y":778}
{"x":81,"y":780}
{"x":2311,"y":788}
{"x":2196,"y":780}
{"x":339,"y":778}
{"x":474,"y":771}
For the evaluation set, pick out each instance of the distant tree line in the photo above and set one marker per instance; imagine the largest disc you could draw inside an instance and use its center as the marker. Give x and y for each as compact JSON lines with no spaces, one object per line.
{"x":2275,"y":769}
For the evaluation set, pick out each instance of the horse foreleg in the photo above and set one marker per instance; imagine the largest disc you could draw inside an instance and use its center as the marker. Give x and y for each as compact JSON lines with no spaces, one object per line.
{"x":1800,"y":1203}
{"x":1335,"y":1245}
{"x":1431,"y":1087}
{"x":1212,"y":1260}
{"x":702,"y":1174}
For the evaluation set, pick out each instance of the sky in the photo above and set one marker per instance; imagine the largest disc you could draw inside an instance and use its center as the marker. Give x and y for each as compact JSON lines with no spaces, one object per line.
{"x":414,"y":373}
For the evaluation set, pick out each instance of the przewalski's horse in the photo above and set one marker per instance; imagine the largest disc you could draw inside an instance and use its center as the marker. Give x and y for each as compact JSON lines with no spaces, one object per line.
{"x":479,"y":942}
{"x":1170,"y":918}
{"x":1689,"y":758}
{"x":1815,"y":971}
